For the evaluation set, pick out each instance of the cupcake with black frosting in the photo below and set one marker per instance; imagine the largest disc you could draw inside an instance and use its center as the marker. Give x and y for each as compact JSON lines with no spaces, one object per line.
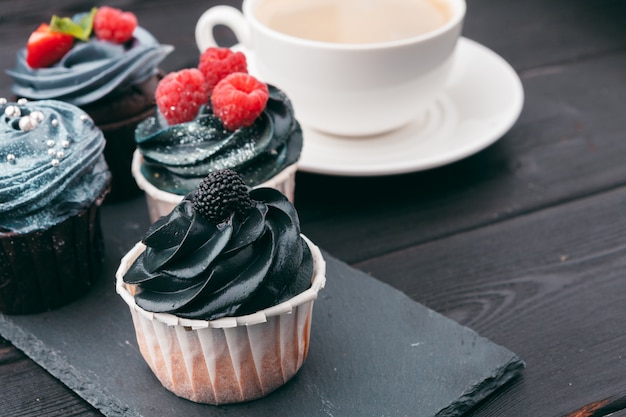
{"x":233,"y":121}
{"x":103,"y":62}
{"x":53,"y":179}
{"x":221,"y":292}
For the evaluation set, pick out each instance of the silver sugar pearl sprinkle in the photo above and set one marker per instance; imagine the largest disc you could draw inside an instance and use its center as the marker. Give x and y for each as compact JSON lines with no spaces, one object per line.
{"x":52,"y":152}
{"x":65,"y":143}
{"x":22,"y":101}
{"x":54,"y":122}
{"x":11,"y":158}
{"x":50,"y":143}
{"x":60,"y":154}
{"x":26,"y":123}
{"x":3,"y":100}
{"x":55,"y":162}
{"x":12,"y":111}
{"x":37,"y":115}
{"x":84,"y":117}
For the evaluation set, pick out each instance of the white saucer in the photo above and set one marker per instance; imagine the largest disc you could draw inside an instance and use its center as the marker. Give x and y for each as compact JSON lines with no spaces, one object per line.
{"x":481,"y":102}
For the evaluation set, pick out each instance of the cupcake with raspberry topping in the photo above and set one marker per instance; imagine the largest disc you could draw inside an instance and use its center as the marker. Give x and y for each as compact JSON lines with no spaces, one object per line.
{"x":213,"y":117}
{"x":104,"y":63}
{"x":53,"y":179}
{"x":221,"y":292}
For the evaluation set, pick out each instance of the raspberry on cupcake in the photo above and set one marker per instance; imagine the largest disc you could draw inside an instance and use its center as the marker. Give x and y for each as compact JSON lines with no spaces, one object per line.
{"x":217,"y":63}
{"x":213,"y":117}
{"x":114,"y":24}
{"x":109,"y":67}
{"x":180,"y":95}
{"x":238,"y":99}
{"x":51,"y":42}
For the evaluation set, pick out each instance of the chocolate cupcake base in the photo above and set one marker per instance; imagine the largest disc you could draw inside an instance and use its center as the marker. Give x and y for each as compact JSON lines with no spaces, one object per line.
{"x":118,"y":152}
{"x":118,"y":116}
{"x":47,"y":269}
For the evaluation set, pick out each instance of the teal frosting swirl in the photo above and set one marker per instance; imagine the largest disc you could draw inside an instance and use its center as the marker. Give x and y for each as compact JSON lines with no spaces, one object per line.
{"x":178,"y":157}
{"x":51,"y":172}
{"x":195,"y":269}
{"x":90,"y":70}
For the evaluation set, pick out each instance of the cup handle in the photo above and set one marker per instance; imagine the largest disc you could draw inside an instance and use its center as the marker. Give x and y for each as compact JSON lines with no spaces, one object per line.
{"x":220,"y":15}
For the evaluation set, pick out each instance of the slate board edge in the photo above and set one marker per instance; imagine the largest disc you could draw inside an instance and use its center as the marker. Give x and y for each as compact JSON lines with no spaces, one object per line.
{"x":54,"y":363}
{"x":479,"y":393}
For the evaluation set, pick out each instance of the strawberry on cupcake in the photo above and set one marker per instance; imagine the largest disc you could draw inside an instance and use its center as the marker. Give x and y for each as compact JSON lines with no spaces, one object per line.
{"x":51,"y":42}
{"x":102,"y":61}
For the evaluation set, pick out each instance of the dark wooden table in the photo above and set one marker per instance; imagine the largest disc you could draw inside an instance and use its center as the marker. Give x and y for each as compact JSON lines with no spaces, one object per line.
{"x":524,"y":242}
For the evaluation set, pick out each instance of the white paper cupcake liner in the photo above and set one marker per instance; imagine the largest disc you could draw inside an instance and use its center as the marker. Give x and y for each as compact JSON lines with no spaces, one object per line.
{"x":231,"y":359}
{"x":161,"y":203}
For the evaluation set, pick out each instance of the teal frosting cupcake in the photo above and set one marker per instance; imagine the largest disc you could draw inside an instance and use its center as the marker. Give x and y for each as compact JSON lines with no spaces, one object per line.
{"x":52,"y":164}
{"x":53,"y":178}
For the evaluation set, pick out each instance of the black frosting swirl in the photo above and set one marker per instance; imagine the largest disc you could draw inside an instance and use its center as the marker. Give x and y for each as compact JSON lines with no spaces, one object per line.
{"x":195,"y":269}
{"x":178,"y":157}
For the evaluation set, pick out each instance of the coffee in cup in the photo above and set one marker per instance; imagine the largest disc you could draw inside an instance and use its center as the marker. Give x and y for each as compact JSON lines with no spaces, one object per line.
{"x":350,"y":67}
{"x":354,"y":21}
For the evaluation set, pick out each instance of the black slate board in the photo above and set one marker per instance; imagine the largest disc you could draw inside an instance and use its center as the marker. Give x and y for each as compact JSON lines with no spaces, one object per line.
{"x":373,"y":351}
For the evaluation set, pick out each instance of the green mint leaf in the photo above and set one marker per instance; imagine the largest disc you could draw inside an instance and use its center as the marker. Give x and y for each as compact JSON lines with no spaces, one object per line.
{"x":80,"y":27}
{"x":86,"y":21}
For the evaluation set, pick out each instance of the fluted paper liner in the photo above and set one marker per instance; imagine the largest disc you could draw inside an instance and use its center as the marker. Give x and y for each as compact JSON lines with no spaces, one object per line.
{"x":231,"y":359}
{"x":161,"y":203}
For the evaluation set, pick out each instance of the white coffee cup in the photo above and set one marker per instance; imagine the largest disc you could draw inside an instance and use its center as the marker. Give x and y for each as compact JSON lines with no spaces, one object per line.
{"x":366,"y":85}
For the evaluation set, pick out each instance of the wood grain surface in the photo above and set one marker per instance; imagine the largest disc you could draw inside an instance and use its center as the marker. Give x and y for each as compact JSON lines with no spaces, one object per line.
{"x":524,"y":242}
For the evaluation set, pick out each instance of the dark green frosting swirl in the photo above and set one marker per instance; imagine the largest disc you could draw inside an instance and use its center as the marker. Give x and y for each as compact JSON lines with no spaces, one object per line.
{"x":195,"y":269}
{"x":178,"y":157}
